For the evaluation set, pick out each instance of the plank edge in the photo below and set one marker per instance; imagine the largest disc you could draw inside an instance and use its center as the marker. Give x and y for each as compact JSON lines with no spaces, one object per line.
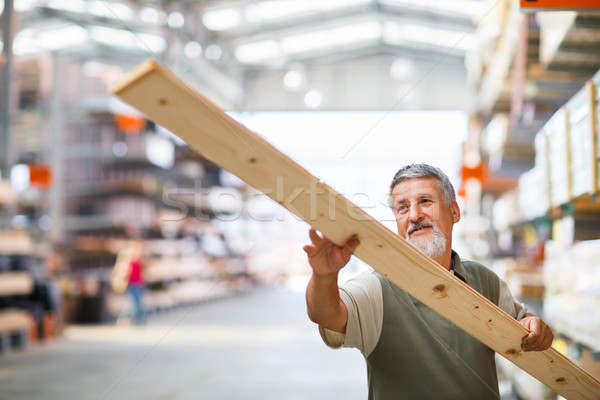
{"x":146,"y":67}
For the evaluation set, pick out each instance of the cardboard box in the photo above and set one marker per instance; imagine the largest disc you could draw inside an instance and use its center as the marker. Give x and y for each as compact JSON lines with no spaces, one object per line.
{"x":596,"y":116}
{"x":534,"y":194}
{"x":557,"y":131}
{"x":583,"y":154}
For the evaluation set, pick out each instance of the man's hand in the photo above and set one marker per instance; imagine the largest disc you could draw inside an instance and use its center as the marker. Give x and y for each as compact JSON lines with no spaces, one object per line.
{"x":325,"y":257}
{"x":322,"y":294}
{"x":540,"y":335}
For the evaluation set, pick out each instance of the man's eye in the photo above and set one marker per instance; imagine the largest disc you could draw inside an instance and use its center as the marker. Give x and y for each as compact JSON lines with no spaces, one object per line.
{"x":402,"y":209}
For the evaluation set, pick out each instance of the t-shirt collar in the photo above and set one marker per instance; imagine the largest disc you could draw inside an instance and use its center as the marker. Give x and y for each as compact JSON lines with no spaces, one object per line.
{"x":457,"y":267}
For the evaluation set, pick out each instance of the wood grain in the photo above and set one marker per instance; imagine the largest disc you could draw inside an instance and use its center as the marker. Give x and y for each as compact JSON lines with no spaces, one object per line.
{"x":168,"y":101}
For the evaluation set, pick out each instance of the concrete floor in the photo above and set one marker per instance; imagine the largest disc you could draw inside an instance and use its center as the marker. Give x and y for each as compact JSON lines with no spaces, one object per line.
{"x":255,"y":346}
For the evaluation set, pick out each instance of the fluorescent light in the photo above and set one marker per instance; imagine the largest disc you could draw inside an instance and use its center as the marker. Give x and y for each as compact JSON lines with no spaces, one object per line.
{"x":112,"y":36}
{"x":313,"y":99}
{"x":100,"y":8}
{"x":22,"y":5}
{"x":192,"y":49}
{"x":356,"y":33}
{"x":266,"y":11}
{"x":110,"y":9}
{"x":153,"y":16}
{"x":61,"y":38}
{"x":343,"y":35}
{"x":401,"y":33}
{"x":464,"y":7}
{"x":403,"y":69}
{"x":176,"y":20}
{"x":19,"y":177}
{"x":77,"y":6}
{"x":213,"y":52}
{"x":24,"y":45}
{"x":151,"y":42}
{"x":325,"y":5}
{"x":294,"y":79}
{"x":257,"y":52}
{"x":271,"y":10}
{"x":160,"y":151}
{"x":262,"y":51}
{"x":127,"y":39}
{"x":305,"y":41}
{"x":222,"y":19}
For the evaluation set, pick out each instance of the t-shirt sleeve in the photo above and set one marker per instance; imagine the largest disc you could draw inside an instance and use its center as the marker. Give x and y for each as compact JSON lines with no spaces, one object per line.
{"x":364,"y":300}
{"x":509,"y":303}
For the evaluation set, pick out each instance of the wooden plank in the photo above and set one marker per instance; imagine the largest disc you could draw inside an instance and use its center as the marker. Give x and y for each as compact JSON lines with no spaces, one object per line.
{"x":13,"y":320}
{"x":7,"y":195}
{"x":15,"y":283}
{"x":171,"y":103}
{"x":15,"y":242}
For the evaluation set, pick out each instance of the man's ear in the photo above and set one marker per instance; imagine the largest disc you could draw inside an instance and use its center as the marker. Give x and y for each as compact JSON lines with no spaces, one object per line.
{"x":455,"y":212}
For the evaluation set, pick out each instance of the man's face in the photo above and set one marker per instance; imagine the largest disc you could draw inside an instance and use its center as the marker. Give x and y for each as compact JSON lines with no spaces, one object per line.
{"x":422,"y":215}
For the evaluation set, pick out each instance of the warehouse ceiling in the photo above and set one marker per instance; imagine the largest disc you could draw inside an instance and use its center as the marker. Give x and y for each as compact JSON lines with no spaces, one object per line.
{"x":272,"y":33}
{"x":272,"y":54}
{"x":331,"y":55}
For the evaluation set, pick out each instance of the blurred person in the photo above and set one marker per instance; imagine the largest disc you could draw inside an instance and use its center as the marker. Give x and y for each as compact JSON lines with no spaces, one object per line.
{"x":410,"y":350}
{"x":127,"y":276}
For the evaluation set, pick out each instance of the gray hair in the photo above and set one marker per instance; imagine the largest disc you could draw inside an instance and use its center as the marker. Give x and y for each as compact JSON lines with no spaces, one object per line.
{"x":425,"y":171}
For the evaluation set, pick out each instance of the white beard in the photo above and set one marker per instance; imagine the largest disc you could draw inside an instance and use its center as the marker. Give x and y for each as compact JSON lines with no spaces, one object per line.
{"x":432,"y":247}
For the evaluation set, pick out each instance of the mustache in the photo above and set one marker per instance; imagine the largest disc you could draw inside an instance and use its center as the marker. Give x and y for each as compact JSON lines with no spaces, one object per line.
{"x":419,"y":225}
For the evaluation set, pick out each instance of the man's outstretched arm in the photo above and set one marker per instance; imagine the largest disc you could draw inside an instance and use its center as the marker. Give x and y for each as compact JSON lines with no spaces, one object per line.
{"x":322,"y":294}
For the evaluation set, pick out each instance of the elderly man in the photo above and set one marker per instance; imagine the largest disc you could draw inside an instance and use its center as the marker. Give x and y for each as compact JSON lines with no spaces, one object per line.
{"x":411,"y":351}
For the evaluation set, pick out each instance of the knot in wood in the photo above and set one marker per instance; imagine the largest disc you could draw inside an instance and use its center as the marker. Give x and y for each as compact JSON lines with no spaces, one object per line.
{"x":440,"y":291}
{"x":513,"y":352}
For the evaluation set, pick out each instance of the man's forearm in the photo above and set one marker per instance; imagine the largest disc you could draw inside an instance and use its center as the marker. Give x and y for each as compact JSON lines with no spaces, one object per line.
{"x":324,"y":304}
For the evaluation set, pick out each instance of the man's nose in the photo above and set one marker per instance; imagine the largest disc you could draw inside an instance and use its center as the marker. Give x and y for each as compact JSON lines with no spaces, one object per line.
{"x":415,"y":214}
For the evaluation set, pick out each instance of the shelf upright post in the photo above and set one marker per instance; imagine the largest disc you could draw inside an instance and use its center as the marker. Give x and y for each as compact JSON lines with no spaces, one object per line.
{"x":56,"y":154}
{"x":5,"y":111}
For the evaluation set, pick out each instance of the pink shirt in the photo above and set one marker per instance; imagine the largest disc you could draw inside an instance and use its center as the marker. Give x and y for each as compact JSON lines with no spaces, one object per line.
{"x":135,"y":275}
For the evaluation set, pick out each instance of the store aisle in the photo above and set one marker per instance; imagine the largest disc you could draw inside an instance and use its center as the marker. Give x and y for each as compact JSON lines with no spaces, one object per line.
{"x":255,"y":346}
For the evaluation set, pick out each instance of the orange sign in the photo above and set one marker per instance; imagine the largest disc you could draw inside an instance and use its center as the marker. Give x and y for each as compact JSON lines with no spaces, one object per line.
{"x":40,"y":175}
{"x":479,"y":172}
{"x":559,"y":5}
{"x":130,"y":123}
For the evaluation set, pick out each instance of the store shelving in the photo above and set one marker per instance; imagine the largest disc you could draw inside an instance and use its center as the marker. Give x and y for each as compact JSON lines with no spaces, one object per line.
{"x":545,"y":82}
{"x":569,"y":40}
{"x":555,"y":239}
{"x":514,"y":78}
{"x":15,"y":284}
{"x":572,"y":305}
{"x":135,"y":181}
